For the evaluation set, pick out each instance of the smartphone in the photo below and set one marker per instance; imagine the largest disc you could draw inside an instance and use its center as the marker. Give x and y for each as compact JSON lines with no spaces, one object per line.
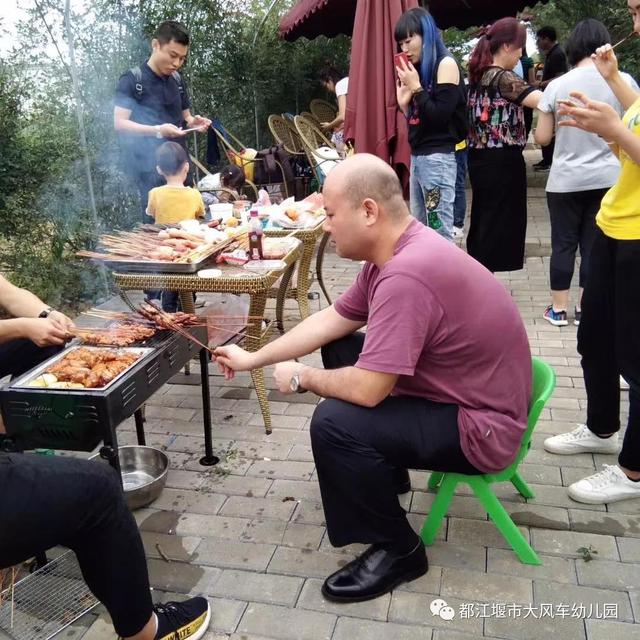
{"x":401,"y":56}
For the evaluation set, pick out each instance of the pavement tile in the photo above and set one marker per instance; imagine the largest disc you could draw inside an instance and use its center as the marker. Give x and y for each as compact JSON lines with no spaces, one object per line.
{"x":205,"y":526}
{"x":266,"y":531}
{"x":232,"y":485}
{"x":607,"y":574}
{"x":479,"y":532}
{"x":478,"y":586}
{"x":253,"y":507}
{"x":535,"y":515}
{"x":311,"y":598}
{"x":257,"y":587}
{"x":577,"y":595}
{"x":297,"y":489}
{"x":351,"y":628}
{"x":187,"y":500}
{"x":161,"y":545}
{"x":306,"y":562}
{"x":288,"y":624}
{"x":610,"y":630}
{"x":532,"y":628}
{"x":629,"y":549}
{"x":180,"y":577}
{"x":230,"y":554}
{"x":552,"y":568}
{"x":414,"y":608}
{"x":566,"y":543}
{"x":303,"y":536}
{"x":615,"y":524}
{"x":278,"y":469}
{"x":309,"y":513}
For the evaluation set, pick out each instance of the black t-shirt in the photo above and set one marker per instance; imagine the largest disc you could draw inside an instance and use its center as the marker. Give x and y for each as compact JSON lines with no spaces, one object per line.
{"x":555,"y":64}
{"x":161,"y":102}
{"x":438,"y":119}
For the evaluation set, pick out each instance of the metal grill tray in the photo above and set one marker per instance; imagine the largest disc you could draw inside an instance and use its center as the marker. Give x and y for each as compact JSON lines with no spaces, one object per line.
{"x":145,"y":266}
{"x":46,"y":601}
{"x":23,"y":381}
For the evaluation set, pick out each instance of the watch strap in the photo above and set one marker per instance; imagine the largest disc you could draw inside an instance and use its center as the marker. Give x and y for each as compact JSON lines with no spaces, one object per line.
{"x":45,"y":312}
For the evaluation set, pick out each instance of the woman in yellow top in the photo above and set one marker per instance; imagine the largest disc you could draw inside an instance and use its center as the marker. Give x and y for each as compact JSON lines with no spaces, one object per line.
{"x":173,"y":201}
{"x":609,"y":332}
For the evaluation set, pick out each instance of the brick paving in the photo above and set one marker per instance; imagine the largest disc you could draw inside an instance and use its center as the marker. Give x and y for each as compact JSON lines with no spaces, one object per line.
{"x":250,"y":535}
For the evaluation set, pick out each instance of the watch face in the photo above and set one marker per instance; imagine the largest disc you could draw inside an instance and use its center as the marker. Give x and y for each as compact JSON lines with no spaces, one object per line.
{"x":294,"y":383}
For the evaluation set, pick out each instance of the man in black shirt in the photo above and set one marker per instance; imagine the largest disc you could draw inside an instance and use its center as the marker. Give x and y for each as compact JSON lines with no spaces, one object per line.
{"x":152,"y":105}
{"x":555,"y":64}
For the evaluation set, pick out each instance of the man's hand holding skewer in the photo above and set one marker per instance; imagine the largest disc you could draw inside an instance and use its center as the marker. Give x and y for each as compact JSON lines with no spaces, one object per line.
{"x":233,"y":358}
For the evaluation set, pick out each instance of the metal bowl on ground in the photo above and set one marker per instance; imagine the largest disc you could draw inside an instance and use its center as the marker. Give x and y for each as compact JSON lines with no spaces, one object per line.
{"x":144,"y":473}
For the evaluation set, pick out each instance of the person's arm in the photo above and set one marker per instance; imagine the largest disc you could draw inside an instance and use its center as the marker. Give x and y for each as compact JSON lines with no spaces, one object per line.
{"x":545,"y":128}
{"x":311,"y":334}
{"x":607,"y":64}
{"x":26,"y":307}
{"x":437,"y":107}
{"x":602,"y":119}
{"x":352,"y":384}
{"x":122,"y":122}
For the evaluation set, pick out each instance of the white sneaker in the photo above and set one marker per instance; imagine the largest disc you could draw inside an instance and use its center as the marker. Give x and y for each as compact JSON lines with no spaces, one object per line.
{"x":623,"y":383}
{"x":458,"y":232}
{"x":609,"y":485}
{"x":581,"y":440}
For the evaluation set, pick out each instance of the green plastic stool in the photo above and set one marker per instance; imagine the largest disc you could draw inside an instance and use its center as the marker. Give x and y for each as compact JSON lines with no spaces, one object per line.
{"x":544,"y":382}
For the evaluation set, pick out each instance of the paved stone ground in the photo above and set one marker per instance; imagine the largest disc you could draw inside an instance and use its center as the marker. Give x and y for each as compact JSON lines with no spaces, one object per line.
{"x":250,"y":534}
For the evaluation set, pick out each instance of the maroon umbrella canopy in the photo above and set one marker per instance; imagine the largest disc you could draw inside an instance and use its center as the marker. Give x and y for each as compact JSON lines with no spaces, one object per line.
{"x":373,"y":119}
{"x":311,"y":18}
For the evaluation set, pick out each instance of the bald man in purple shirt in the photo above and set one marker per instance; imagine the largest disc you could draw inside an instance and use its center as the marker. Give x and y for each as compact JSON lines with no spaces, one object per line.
{"x":441,"y":379}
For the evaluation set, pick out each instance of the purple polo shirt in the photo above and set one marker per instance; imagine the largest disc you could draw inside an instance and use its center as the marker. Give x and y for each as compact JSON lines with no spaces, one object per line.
{"x":452,"y":333}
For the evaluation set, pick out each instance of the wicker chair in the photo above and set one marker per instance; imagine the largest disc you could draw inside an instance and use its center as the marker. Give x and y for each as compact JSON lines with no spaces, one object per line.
{"x":233,"y":150}
{"x":286,"y":134}
{"x":309,"y":116}
{"x":313,"y":138}
{"x":322,"y":110}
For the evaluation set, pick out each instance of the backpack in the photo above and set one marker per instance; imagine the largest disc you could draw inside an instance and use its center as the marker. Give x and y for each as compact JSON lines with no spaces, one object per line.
{"x":136,"y":72}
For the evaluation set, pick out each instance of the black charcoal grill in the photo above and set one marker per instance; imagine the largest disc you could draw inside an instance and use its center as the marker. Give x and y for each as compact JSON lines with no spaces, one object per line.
{"x":78,"y":419}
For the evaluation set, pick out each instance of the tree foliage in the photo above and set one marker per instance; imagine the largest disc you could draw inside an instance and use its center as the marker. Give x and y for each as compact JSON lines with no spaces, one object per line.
{"x":45,"y":210}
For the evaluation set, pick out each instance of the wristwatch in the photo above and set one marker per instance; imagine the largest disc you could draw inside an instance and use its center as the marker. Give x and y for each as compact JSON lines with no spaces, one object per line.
{"x":158,"y":134}
{"x":294,"y":384}
{"x":45,"y":312}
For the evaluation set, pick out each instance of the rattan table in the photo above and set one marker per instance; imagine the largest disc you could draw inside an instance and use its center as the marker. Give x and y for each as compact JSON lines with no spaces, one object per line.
{"x":309,"y":238}
{"x":233,"y":280}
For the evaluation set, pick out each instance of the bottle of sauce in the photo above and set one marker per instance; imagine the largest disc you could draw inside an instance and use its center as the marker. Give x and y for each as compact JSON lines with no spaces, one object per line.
{"x":255,"y":236}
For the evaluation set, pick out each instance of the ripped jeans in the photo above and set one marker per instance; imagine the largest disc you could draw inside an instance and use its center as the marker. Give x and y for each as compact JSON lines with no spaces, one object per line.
{"x":433,"y":191}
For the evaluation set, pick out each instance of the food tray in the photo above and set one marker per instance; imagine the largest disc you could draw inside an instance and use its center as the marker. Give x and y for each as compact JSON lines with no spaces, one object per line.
{"x":23,"y":381}
{"x":160,"y":266}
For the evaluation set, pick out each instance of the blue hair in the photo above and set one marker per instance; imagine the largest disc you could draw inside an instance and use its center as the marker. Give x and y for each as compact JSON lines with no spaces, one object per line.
{"x":419,"y":21}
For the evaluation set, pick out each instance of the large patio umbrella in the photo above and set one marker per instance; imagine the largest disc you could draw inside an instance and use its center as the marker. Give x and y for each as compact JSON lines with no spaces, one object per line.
{"x":373,"y":120}
{"x":311,"y":18}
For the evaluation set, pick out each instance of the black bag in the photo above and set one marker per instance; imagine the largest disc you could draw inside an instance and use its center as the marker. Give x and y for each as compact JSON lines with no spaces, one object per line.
{"x":267,"y":170}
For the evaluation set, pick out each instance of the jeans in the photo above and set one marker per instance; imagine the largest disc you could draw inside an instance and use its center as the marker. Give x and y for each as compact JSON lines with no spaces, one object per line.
{"x":432,"y":191}
{"x":50,"y":501}
{"x":357,"y":451}
{"x":460,"y":203}
{"x":609,"y":342}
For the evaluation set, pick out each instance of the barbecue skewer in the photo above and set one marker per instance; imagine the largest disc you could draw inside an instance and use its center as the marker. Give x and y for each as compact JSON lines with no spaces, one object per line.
{"x":627,"y":37}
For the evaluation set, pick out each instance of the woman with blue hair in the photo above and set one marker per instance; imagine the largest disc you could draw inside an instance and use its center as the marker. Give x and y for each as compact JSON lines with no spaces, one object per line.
{"x":431,"y":94}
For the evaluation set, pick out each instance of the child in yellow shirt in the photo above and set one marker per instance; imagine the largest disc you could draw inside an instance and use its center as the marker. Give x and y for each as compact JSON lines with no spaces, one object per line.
{"x":173,"y":201}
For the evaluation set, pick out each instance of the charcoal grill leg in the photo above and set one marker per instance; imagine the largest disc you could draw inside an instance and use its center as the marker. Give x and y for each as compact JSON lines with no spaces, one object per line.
{"x":209,"y":459}
{"x":139,"y":420}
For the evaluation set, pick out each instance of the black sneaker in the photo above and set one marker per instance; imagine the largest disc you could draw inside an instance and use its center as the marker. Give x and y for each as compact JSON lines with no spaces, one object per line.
{"x":541,"y":167}
{"x":182,"y":620}
{"x":577,"y":316}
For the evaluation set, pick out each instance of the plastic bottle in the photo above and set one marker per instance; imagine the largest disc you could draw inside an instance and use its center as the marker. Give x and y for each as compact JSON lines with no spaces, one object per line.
{"x":255,"y":236}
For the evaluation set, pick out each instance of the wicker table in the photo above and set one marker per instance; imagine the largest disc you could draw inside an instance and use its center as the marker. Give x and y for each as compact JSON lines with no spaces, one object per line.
{"x":233,"y":280}
{"x":309,"y":237}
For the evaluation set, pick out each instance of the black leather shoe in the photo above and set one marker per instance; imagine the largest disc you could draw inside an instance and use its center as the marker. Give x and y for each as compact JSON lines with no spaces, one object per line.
{"x":373,"y":574}
{"x":401,"y":480}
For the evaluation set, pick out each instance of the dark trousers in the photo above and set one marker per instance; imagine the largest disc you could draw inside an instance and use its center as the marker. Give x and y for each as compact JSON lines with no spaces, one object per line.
{"x":357,"y":450}
{"x":18,"y":356}
{"x":609,"y":340}
{"x":547,"y":152}
{"x":460,"y":203}
{"x":147,"y":180}
{"x":49,"y":501}
{"x":573,"y":224}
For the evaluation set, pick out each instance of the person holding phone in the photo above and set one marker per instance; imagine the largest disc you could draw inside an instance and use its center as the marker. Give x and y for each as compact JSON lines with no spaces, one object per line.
{"x":583,"y":167}
{"x":497,"y":136}
{"x":608,"y":339}
{"x":431,"y":93}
